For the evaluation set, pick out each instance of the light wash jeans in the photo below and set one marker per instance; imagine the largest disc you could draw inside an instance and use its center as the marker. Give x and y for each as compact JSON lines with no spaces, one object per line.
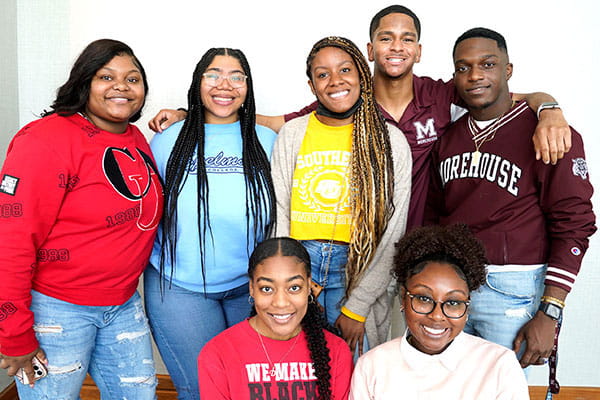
{"x":504,"y":304}
{"x":332,"y":278}
{"x":183,"y":321}
{"x":112,"y":343}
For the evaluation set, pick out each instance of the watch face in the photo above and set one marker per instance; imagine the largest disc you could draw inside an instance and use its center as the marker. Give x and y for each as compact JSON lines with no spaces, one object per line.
{"x":551,"y":310}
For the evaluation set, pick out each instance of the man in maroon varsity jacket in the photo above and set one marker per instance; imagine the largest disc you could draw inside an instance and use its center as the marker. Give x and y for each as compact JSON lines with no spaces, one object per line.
{"x":534,"y":219}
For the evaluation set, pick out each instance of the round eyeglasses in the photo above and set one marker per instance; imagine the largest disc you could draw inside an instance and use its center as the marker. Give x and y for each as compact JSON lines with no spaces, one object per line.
{"x":236,"y":80}
{"x":453,"y":309}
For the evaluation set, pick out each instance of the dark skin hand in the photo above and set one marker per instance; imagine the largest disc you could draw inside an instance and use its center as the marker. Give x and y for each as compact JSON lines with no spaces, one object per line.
{"x":14,"y":364}
{"x":538,"y":334}
{"x":552,"y":138}
{"x":352,"y":331}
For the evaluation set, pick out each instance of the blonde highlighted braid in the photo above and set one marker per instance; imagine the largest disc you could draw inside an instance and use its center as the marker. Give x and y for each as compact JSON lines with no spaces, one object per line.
{"x":371,"y":167}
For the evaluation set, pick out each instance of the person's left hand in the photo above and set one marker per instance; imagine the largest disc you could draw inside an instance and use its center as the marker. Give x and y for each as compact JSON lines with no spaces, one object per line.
{"x":552,"y":137}
{"x":353,"y":332}
{"x":539,"y":336}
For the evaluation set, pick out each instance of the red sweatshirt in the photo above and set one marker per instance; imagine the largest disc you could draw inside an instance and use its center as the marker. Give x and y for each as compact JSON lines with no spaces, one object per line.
{"x":79,"y":211}
{"x":524,"y":212}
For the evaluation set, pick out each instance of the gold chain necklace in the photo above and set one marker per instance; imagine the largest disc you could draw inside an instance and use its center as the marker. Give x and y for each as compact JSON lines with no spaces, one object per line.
{"x":271,"y":364}
{"x":484,"y":135}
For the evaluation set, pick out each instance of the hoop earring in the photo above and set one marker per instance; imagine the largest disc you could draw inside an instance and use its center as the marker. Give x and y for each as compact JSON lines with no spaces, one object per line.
{"x":250,"y":300}
{"x":311,"y":299}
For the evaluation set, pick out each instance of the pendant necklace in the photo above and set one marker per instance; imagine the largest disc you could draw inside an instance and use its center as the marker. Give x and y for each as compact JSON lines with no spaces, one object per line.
{"x":480,"y":136}
{"x":271,"y":364}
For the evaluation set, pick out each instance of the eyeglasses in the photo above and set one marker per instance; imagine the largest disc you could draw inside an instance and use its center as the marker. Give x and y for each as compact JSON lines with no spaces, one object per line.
{"x":235,"y":80}
{"x":453,"y":309}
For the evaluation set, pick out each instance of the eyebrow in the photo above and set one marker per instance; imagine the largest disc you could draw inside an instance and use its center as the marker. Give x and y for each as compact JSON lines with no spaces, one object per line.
{"x":114,"y":70}
{"x":221,"y":70}
{"x":484,"y":57}
{"x":405,"y":33}
{"x":351,"y":62}
{"x":293,"y":278}
{"x":450,"y":292}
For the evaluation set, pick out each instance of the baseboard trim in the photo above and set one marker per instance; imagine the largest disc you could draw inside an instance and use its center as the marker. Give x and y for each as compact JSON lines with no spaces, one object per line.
{"x":166,"y":391}
{"x":9,"y":393}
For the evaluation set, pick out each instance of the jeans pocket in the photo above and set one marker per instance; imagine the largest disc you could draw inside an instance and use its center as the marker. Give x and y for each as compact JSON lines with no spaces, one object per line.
{"x":521,"y":285}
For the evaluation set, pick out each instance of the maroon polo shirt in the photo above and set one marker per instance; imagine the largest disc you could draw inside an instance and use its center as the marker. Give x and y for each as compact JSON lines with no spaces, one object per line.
{"x":425,"y":119}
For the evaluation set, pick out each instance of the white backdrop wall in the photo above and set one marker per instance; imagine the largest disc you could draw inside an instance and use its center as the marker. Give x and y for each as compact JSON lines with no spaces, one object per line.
{"x":554,"y":48}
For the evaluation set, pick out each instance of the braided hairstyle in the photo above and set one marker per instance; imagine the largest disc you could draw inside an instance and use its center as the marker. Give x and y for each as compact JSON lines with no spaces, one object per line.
{"x":314,"y":321}
{"x":260,"y":194}
{"x":371,"y":167}
{"x":452,"y":244}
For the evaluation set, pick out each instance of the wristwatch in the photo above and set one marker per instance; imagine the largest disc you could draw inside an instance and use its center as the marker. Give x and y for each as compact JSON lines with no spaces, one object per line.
{"x":547,"y":106}
{"x":551,"y":310}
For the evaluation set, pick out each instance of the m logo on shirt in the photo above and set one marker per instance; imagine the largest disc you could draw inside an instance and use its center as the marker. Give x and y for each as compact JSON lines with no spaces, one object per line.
{"x":134,"y":176}
{"x":425,"y":133}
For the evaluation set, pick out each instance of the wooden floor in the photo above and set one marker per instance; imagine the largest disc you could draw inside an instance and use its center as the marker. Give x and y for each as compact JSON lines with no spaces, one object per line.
{"x":166,"y":391}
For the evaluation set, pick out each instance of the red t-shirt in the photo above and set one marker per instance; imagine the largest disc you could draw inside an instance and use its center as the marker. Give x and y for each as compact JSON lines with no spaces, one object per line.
{"x":234,"y":366}
{"x":80,"y":207}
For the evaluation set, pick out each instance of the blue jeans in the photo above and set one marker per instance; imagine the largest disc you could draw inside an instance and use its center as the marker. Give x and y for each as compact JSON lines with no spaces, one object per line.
{"x":183,"y":321}
{"x":112,"y":343}
{"x":504,"y":304}
{"x":332,"y":278}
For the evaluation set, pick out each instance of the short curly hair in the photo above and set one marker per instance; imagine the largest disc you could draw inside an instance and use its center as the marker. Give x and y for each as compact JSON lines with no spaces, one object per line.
{"x":452,"y":244}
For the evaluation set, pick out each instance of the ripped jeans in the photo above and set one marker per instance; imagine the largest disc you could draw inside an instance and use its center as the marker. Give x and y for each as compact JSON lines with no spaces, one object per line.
{"x":112,"y":343}
{"x":506,"y":301}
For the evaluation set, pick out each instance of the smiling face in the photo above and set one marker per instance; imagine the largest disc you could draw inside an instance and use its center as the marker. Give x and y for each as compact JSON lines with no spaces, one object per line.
{"x":433,"y":332}
{"x":280,"y":288}
{"x":222,"y":102}
{"x":481,"y":74}
{"x":116,"y":94}
{"x":335,"y":82}
{"x":395,"y":47}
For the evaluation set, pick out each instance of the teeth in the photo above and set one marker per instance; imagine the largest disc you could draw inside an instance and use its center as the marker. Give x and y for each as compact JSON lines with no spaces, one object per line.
{"x":222,"y":98}
{"x":119,"y":99}
{"x":339,"y":94}
{"x":281,"y":317}
{"x":395,"y":59}
{"x":434,"y":331}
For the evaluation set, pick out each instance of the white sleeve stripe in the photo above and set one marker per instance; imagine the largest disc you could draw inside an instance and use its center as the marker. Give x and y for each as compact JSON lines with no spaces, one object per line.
{"x":562,"y":272}
{"x":559,"y":280}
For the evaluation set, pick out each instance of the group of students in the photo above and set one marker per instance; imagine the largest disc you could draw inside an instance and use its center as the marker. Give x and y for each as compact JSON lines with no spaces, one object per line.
{"x":236,"y":313}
